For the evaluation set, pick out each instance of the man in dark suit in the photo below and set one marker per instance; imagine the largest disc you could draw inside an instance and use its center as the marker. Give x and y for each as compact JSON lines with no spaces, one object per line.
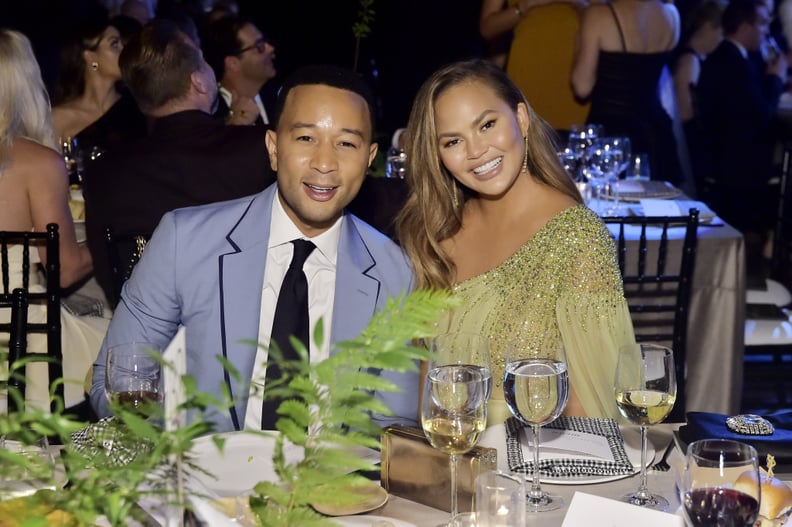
{"x":737,"y":104}
{"x":242,"y":59}
{"x":189,"y":158}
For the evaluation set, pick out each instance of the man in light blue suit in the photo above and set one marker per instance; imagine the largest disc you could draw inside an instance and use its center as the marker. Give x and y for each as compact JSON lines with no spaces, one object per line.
{"x":217,"y":269}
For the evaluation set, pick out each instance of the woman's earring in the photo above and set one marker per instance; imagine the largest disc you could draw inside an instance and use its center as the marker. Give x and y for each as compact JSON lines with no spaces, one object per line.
{"x":525,"y":158}
{"x":94,"y":66}
{"x":454,"y":197}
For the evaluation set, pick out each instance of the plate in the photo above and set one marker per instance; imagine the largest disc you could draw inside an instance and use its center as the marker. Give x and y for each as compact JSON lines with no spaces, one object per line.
{"x":246,"y":459}
{"x":371,"y":521}
{"x":632,"y":445}
{"x":372,"y":496}
{"x":635,"y":191}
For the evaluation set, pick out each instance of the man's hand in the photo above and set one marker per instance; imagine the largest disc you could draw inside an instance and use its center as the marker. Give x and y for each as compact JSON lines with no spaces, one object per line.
{"x":244,"y":110}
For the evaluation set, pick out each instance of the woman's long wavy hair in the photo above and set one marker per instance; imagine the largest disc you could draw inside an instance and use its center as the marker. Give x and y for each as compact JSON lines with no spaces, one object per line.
{"x":24,"y":103}
{"x":71,"y":66}
{"x":433,"y":211}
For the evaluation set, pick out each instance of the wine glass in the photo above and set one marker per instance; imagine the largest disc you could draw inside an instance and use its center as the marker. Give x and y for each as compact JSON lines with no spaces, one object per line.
{"x":581,"y":137}
{"x":133,"y":376}
{"x":456,"y":390}
{"x":709,"y":491}
{"x":645,"y":389}
{"x":536,"y":388}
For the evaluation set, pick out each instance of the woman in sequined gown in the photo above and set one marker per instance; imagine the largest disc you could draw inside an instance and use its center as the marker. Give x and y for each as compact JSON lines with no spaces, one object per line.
{"x":493,"y":216}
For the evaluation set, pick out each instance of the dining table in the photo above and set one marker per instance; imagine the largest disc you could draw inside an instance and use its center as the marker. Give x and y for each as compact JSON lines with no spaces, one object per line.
{"x":664,"y":483}
{"x":716,"y":314}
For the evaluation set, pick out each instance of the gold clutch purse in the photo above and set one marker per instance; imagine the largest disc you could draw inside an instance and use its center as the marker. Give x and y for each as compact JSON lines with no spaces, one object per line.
{"x":413,"y":469}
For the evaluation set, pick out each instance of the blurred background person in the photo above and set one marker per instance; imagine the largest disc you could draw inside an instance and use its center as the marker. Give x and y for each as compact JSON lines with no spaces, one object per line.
{"x":622,"y":49}
{"x":88,"y":104}
{"x":535,"y":41}
{"x":243,"y":61}
{"x":34,"y":191}
{"x":738,"y":102}
{"x":702,"y":31}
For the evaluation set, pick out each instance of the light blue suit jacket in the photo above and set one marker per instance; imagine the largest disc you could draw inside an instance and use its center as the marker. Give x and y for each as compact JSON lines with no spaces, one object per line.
{"x":204,"y":268}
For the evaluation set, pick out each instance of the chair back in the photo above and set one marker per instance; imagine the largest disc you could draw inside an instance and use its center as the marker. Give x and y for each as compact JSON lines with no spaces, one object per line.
{"x":17,"y":348}
{"x":657,"y":284}
{"x":123,"y":253}
{"x":50,"y":298}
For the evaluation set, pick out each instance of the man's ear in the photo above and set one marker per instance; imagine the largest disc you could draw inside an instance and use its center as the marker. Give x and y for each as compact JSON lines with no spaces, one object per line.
{"x":271,"y":140}
{"x":372,"y":153}
{"x":231,"y":63}
{"x":198,"y":82}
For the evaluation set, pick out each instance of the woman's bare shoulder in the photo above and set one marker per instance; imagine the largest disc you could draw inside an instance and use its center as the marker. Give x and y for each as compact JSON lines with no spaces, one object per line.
{"x":35,"y":157}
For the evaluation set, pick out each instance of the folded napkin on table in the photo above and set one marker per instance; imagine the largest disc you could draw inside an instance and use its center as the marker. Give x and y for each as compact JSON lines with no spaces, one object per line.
{"x":108,"y":440}
{"x":704,"y":425}
{"x":568,"y":466}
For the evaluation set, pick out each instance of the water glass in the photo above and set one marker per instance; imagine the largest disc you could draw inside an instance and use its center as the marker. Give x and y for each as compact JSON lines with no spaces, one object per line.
{"x":500,"y":499}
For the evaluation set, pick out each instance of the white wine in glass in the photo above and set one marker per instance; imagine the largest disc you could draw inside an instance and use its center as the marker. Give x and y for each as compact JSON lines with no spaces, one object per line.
{"x":456,"y":391}
{"x":536,"y":389}
{"x":645,"y":390}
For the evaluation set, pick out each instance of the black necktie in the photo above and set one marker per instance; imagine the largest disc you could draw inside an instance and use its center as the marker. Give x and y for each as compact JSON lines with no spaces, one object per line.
{"x":291,"y":318}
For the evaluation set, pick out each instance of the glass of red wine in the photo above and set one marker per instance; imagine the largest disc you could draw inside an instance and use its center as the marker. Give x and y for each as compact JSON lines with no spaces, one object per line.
{"x":133,"y":376}
{"x":708,"y":492}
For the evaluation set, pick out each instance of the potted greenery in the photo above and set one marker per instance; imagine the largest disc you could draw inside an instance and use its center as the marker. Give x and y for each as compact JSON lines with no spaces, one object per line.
{"x":328,"y":410}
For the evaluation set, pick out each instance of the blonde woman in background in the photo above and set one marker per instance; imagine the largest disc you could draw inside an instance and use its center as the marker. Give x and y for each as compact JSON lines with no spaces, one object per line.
{"x":494,"y":217}
{"x":34,"y":191}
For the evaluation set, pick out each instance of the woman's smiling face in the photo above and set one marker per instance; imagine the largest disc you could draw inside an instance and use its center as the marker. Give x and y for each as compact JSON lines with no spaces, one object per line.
{"x":480,"y":137}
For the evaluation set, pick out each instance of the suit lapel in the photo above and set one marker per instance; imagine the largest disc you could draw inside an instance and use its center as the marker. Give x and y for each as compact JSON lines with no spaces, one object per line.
{"x":241,"y":280}
{"x":356,"y":292}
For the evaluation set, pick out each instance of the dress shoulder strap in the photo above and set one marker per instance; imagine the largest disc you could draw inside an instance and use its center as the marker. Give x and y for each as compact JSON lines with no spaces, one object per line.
{"x":618,"y":25}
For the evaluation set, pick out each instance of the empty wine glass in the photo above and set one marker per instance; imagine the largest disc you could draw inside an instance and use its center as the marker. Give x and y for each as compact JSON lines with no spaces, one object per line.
{"x":536,"y":388}
{"x":645,"y":389}
{"x":581,"y":137}
{"x":133,"y":375}
{"x":709,"y":493}
{"x":26,"y":466}
{"x":454,"y":404}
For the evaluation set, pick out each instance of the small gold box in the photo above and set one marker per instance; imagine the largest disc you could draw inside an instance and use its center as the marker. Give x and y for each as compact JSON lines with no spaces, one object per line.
{"x":413,"y":469}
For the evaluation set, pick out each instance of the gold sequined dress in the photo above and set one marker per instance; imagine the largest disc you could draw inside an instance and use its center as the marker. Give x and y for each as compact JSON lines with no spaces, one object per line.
{"x":562,"y":284}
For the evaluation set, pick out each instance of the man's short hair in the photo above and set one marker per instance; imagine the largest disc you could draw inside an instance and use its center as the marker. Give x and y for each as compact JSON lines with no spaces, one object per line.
{"x":157,"y":64}
{"x":221,"y":40}
{"x":737,"y":13}
{"x":327,"y":75}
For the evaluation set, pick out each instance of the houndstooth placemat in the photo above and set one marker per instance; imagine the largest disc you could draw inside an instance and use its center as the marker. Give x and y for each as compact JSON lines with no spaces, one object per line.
{"x":568,"y":467}
{"x":109,"y":441}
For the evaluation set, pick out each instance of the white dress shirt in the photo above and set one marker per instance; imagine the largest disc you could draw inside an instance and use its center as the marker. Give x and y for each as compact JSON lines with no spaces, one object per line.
{"x":320,"y":271}
{"x":226,"y":95}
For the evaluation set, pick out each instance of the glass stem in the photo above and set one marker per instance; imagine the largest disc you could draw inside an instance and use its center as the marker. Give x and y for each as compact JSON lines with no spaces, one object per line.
{"x":453,"y":465}
{"x":536,"y":488}
{"x":643,"y":490}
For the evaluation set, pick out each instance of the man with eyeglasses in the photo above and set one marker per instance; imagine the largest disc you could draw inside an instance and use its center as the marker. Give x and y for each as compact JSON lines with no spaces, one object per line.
{"x":242,"y":59}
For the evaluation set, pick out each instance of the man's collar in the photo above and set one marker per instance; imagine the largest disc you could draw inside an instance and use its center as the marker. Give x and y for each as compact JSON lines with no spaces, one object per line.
{"x":283,"y":230}
{"x":740,"y":48}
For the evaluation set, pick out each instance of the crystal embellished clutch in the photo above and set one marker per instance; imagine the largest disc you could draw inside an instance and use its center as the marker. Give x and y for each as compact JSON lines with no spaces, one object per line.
{"x":413,"y":469}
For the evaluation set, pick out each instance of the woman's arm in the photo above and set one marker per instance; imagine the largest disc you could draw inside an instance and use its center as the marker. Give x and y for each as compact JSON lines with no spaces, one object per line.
{"x":48,"y":195}
{"x":685,"y":77}
{"x":497,"y":17}
{"x":587,"y":47}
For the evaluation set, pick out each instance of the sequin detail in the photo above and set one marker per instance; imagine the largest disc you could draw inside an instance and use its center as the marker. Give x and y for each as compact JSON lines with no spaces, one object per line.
{"x":572,"y":257}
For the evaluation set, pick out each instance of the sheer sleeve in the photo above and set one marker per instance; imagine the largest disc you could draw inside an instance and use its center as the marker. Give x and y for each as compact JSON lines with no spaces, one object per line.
{"x":594,"y":322}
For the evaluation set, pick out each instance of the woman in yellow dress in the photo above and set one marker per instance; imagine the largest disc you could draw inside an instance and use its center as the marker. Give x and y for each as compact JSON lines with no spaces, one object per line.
{"x":540,"y":56}
{"x":493,"y":216}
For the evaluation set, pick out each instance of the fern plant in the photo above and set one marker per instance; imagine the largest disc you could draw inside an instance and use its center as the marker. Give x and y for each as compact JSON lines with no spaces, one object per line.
{"x":329,"y":406}
{"x":327,"y":411}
